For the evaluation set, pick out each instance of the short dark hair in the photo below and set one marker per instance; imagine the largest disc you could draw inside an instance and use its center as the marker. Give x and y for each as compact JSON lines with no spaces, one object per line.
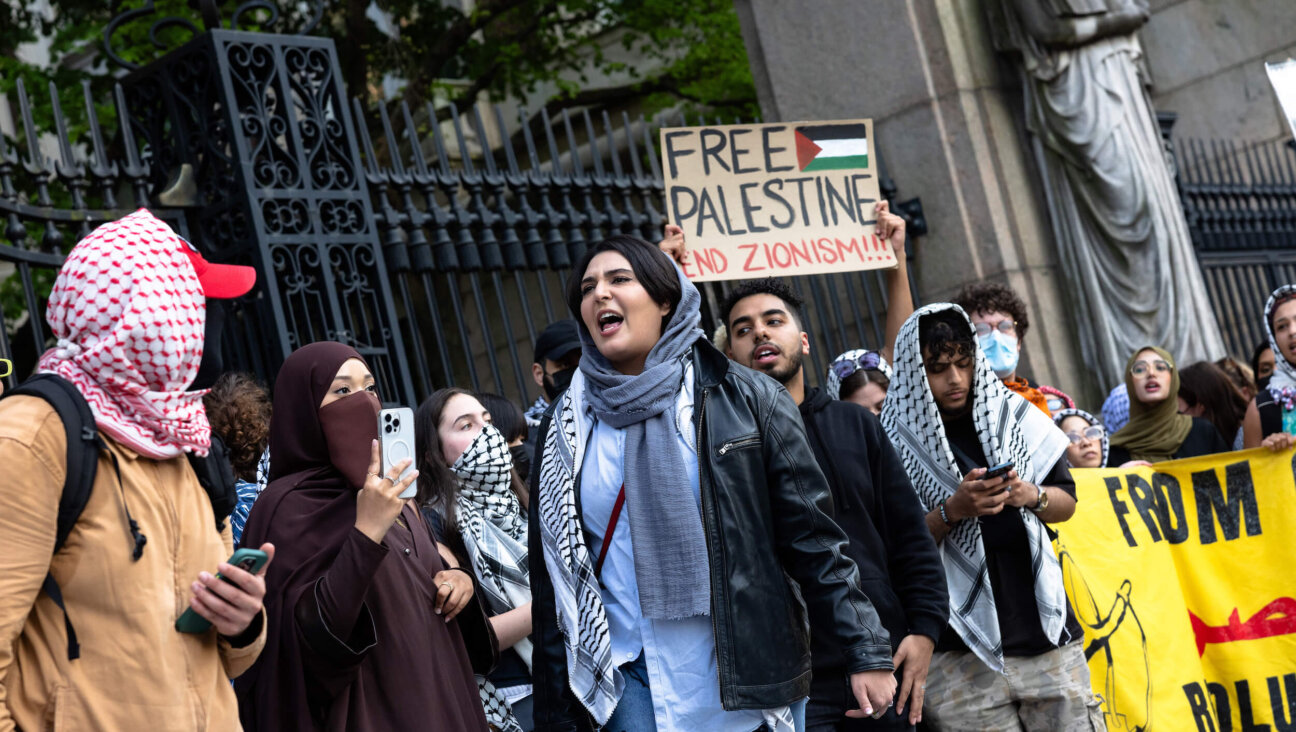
{"x":1224,"y":404}
{"x":652,"y":267}
{"x":764,"y":286}
{"x":945,"y":333}
{"x":857,"y":380}
{"x":505,"y":415}
{"x":990,"y":297}
{"x":1256,"y":354}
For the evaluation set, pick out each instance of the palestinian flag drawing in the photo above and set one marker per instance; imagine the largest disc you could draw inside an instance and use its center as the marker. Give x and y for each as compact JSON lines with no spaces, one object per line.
{"x":831,"y":147}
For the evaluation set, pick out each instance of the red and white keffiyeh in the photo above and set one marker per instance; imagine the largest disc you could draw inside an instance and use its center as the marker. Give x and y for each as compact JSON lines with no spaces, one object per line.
{"x":129,"y":312}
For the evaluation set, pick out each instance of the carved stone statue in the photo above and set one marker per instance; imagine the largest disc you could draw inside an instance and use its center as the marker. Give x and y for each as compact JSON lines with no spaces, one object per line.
{"x":1116,"y":214}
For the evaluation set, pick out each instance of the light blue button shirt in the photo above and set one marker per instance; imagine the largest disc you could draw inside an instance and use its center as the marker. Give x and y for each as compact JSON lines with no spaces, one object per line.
{"x":679,"y":654}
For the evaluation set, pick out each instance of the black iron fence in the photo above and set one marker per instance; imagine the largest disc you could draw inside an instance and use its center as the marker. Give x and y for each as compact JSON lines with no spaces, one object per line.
{"x":1240,"y":202}
{"x":435,"y":241}
{"x":480,"y":237}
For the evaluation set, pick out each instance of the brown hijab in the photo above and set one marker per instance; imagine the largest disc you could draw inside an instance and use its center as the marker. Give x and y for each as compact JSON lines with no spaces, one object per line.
{"x":1155,"y":431}
{"x":273,"y":694}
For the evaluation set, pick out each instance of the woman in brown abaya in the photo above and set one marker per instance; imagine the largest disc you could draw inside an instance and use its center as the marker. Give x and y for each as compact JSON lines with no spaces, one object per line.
{"x":363,"y":633}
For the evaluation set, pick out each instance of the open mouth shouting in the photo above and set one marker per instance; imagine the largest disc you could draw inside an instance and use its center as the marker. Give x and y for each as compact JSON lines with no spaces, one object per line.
{"x":765,"y":355}
{"x":609,"y":322}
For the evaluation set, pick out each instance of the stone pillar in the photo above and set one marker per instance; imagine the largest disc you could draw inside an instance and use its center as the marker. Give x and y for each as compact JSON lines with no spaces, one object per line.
{"x":948,"y":126}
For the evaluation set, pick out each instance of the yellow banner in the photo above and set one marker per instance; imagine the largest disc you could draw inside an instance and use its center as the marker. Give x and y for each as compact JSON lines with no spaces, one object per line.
{"x":1182,"y":578}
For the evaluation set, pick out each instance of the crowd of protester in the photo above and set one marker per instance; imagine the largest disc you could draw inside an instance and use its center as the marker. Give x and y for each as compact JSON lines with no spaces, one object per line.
{"x":680,"y":533}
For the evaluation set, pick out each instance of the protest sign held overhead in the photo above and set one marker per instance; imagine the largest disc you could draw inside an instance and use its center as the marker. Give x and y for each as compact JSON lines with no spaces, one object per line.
{"x":791,"y":198}
{"x":1180,"y":576}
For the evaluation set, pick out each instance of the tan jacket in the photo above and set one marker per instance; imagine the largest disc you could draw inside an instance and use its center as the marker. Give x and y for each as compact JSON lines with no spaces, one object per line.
{"x":135,"y":671}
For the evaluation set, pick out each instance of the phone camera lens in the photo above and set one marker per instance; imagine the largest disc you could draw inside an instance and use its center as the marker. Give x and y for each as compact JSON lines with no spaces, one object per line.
{"x":396,"y":423}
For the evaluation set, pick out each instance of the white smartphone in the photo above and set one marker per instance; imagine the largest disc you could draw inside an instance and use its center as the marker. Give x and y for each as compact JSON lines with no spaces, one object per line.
{"x":396,"y":442}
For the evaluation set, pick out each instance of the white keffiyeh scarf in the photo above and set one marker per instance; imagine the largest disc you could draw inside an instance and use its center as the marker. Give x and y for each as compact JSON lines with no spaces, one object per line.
{"x":493,"y":527}
{"x":581,"y":617}
{"x":1009,"y":428}
{"x":495,"y":537}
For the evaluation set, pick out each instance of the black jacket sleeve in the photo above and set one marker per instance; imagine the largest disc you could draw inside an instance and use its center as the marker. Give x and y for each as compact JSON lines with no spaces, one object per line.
{"x":914,"y":563}
{"x":554,"y":709}
{"x":811,"y":545}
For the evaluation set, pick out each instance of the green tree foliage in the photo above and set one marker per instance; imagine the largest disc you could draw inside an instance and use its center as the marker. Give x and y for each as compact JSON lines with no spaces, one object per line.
{"x":687,"y":51}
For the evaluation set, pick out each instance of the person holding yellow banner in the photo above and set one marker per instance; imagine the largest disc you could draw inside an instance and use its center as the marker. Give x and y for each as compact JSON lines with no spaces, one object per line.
{"x":1156,"y":430}
{"x":1271,"y":417}
{"x":1011,"y":655}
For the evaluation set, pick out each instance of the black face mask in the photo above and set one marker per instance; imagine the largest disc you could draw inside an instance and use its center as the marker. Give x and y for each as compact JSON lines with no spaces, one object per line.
{"x":522,"y":460}
{"x":212,"y":364}
{"x":557,"y":382}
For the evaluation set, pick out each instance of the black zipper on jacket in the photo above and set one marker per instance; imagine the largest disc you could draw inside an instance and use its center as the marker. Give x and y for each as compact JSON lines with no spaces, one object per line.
{"x":735,"y":444}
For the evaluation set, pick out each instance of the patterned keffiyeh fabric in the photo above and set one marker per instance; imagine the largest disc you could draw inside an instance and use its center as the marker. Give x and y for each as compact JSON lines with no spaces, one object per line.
{"x":494,"y":533}
{"x":581,"y":617}
{"x":128,"y":312}
{"x":492,"y":524}
{"x":1009,"y":428}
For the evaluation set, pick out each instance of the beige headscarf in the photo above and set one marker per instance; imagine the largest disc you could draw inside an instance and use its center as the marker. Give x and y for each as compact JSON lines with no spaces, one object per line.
{"x":1155,"y":431}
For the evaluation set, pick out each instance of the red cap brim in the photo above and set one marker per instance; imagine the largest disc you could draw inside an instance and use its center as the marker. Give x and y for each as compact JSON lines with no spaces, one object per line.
{"x":227,"y":281}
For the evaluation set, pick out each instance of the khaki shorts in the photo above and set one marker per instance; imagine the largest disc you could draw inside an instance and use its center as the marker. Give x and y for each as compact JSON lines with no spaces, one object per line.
{"x":1049,"y":693}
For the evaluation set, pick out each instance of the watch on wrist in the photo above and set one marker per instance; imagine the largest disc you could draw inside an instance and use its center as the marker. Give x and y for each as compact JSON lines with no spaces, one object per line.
{"x":1042,"y":503}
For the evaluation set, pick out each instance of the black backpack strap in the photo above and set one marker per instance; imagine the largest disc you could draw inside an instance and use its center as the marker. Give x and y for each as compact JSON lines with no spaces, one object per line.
{"x":82,"y":459}
{"x":1271,"y":419}
{"x":216,"y":476}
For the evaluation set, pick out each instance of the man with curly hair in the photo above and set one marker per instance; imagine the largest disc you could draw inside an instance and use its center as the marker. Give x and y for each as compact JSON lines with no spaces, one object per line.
{"x":238,"y":407}
{"x":1001,"y":322}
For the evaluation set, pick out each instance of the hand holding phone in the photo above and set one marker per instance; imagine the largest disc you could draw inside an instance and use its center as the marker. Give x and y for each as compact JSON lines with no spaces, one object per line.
{"x":251,"y":561}
{"x":396,"y":443}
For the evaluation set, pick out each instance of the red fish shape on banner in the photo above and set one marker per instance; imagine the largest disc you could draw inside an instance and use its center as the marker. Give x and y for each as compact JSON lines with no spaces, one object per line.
{"x":1275,"y":619}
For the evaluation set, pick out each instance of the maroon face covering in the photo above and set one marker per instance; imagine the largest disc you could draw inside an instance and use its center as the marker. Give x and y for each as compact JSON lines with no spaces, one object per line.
{"x":350,"y":426}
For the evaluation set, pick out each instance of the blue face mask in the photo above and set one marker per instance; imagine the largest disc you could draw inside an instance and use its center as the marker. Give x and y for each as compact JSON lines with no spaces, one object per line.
{"x":1001,"y":352}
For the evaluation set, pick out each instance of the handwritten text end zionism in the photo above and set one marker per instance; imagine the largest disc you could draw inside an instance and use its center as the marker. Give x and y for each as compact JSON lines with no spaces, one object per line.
{"x":755,"y":200}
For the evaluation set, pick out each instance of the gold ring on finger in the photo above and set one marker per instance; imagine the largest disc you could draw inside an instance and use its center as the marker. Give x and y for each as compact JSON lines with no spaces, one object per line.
{"x":447,"y":584}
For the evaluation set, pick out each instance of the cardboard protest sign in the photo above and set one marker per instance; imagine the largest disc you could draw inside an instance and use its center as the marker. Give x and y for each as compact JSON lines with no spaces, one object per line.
{"x":1181,"y":577}
{"x":789,"y":198}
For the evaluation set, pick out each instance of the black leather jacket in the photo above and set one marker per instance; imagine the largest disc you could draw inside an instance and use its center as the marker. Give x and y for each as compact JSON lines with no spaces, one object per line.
{"x":765,"y":510}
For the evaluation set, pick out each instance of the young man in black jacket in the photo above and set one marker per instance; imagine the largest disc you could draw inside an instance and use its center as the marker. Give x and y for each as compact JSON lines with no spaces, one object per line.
{"x":874,"y":504}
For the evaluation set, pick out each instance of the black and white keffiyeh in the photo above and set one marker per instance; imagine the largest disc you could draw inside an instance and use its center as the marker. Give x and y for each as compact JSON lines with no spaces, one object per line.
{"x":1009,"y":428}
{"x":495,"y":537}
{"x":581,"y":616}
{"x":1284,"y":375}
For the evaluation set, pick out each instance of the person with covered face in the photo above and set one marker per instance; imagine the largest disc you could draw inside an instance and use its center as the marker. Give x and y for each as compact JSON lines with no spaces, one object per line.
{"x":557,"y":351}
{"x":367,"y":623}
{"x":1156,"y":431}
{"x":477,"y":503}
{"x":676,"y":504}
{"x":87,"y":633}
{"x":1012,"y":654}
{"x":1270,"y":418}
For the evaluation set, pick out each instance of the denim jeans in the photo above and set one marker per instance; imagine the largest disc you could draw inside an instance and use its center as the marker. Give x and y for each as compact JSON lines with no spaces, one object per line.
{"x":634,"y":713}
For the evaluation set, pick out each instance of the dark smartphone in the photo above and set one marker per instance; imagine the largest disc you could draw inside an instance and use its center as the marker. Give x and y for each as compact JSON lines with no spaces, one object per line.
{"x":248,"y":560}
{"x":998,"y":471}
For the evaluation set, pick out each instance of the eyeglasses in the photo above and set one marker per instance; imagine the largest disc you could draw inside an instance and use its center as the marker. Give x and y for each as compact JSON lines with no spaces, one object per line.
{"x":869,"y":361}
{"x":6,"y":367}
{"x":1141,"y":368}
{"x":1007,"y":327}
{"x":1093,"y":432}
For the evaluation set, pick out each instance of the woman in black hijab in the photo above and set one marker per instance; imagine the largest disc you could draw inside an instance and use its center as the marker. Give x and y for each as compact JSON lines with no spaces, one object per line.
{"x":362,"y":630}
